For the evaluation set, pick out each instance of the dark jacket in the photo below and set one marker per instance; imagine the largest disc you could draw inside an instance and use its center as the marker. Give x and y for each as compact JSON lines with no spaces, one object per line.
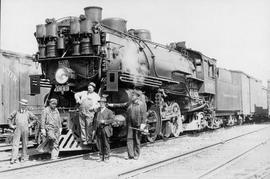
{"x":136,"y":113}
{"x":108,"y":117}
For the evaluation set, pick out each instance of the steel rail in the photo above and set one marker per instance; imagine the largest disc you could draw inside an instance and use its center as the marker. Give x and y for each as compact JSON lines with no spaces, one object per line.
{"x":213,"y":170}
{"x":8,"y":147}
{"x":152,"y":166}
{"x":260,"y":173}
{"x":41,"y":163}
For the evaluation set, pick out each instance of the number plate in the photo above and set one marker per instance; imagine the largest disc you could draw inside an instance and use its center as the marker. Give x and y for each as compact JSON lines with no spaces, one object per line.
{"x":59,"y":88}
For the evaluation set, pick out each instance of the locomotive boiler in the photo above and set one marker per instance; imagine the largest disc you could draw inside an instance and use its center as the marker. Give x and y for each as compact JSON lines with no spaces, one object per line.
{"x":178,"y":83}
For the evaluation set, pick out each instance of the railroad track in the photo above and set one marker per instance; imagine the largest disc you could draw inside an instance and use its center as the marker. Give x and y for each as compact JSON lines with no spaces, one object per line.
{"x":150,"y":167}
{"x":62,"y":159}
{"x":37,"y":163}
{"x":8,"y":147}
{"x":230,"y":161}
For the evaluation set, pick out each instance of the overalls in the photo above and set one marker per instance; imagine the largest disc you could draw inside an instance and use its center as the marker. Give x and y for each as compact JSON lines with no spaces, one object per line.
{"x":21,"y":131}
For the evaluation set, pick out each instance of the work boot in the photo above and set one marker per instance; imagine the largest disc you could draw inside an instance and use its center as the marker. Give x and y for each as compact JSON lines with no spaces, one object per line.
{"x":12,"y":161}
{"x":129,"y":158}
{"x":24,"y":160}
{"x":107,"y":158}
{"x":100,"y":159}
{"x":55,"y":158}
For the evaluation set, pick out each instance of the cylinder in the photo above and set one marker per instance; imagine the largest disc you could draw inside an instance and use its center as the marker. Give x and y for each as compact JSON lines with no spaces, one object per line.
{"x":115,"y":23}
{"x":143,"y":34}
{"x":51,"y":49}
{"x":85,"y":46}
{"x":93,"y":13}
{"x":96,"y":39}
{"x":76,"y":48}
{"x":75,"y":26}
{"x":86,"y":26}
{"x":42,"y":49}
{"x":51,"y":28}
{"x":60,"y":43}
{"x":40,"y":31}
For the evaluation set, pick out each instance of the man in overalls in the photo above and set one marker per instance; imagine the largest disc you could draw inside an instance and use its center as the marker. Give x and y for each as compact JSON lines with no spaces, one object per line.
{"x":51,"y":127}
{"x":20,"y":121}
{"x":88,"y":101}
{"x":103,"y":129}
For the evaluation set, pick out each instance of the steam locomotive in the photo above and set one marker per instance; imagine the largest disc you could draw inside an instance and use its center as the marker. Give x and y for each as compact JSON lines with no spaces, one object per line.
{"x":179,"y":84}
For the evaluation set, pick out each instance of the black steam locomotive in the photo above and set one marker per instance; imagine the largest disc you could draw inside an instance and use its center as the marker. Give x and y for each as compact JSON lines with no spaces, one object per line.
{"x":179,"y":84}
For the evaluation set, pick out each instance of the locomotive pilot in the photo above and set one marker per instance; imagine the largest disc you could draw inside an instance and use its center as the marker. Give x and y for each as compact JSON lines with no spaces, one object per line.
{"x":51,"y":127}
{"x":88,"y":101}
{"x":21,"y":120}
{"x":103,"y":129}
{"x":136,"y":118}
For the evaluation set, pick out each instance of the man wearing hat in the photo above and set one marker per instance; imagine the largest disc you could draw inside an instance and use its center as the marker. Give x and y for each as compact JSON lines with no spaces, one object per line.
{"x":88,"y":101}
{"x":21,"y":120}
{"x":136,"y":118}
{"x":51,"y":127}
{"x":103,"y":129}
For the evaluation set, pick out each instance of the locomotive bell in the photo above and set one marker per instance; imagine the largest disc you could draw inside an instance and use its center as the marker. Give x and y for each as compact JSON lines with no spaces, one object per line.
{"x":93,"y":13}
{"x":40,"y":31}
{"x":115,"y":23}
{"x":143,"y":34}
{"x":51,"y":28}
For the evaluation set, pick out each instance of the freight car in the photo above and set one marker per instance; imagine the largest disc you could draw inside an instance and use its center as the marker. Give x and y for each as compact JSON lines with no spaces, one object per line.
{"x":179,"y":84}
{"x":253,"y":96}
{"x":239,"y":96}
{"x":15,"y":84}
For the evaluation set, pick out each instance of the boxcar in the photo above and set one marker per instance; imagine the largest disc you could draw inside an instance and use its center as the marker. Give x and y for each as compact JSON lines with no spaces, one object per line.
{"x":243,"y":80}
{"x":228,"y":93}
{"x":15,"y":69}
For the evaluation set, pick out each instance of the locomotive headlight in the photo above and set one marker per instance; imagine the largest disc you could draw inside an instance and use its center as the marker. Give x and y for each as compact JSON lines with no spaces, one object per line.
{"x":61,"y":75}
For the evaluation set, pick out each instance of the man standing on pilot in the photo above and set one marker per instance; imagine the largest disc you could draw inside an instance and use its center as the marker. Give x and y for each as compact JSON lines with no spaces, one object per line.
{"x":88,"y":101}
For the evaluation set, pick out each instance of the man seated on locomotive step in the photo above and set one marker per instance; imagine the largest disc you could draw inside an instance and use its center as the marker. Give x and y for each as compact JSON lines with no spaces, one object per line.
{"x":88,"y":101}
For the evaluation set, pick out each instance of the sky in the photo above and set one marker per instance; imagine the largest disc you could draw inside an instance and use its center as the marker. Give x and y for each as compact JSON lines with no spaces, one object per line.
{"x":235,"y":32}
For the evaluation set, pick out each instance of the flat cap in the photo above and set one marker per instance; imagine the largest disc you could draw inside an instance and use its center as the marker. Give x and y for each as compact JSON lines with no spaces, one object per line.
{"x":137,"y":92}
{"x":53,"y":100}
{"x":92,"y":84}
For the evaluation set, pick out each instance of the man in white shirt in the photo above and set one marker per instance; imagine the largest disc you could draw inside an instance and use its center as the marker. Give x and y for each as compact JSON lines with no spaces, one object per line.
{"x":88,"y":101}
